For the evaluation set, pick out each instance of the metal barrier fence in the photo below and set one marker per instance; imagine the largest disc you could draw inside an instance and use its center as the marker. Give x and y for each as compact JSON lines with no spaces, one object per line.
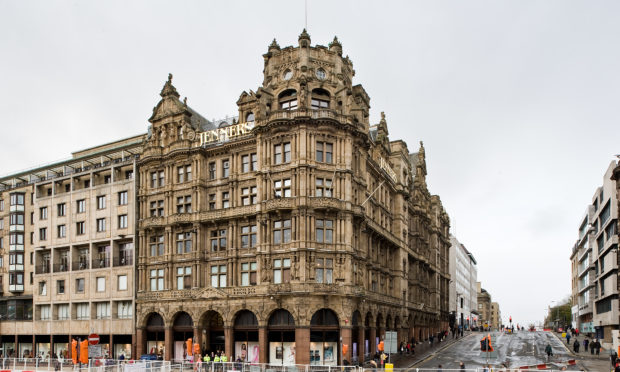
{"x":258,"y":367}
{"x":94,"y":365}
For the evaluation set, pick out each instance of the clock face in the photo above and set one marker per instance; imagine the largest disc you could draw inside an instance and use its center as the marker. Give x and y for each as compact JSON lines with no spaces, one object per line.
{"x":320,"y":74}
{"x":288,"y":74}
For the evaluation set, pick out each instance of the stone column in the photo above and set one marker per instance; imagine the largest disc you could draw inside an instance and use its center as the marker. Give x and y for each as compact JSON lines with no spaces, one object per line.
{"x":302,"y":345}
{"x":111,"y":346}
{"x":228,"y":342}
{"x":360,"y":343}
{"x":371,"y":342}
{"x":262,"y":345}
{"x":169,"y":343}
{"x":345,"y":335}
{"x":198,"y":338}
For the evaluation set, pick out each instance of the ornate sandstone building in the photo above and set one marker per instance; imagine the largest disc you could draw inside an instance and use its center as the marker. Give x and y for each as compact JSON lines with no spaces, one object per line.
{"x":291,"y":230}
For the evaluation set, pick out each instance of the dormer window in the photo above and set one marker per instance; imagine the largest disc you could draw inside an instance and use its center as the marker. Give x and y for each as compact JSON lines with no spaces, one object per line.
{"x":320,"y":99}
{"x":249,"y":117}
{"x":288,"y":100}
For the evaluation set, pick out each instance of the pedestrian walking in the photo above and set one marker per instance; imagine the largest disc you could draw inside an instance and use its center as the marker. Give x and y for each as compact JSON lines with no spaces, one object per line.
{"x":462,"y":365}
{"x":614,"y":357}
{"x":549,"y":351}
{"x":576,"y":346}
{"x":585,"y":345}
{"x":592,"y":347}
{"x":568,"y":339}
{"x":439,"y":369}
{"x":597,"y":347}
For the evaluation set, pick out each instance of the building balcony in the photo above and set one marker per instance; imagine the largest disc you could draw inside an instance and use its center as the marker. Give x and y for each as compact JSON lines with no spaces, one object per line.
{"x":100,"y":263}
{"x":42,"y":269}
{"x":61,"y":267}
{"x":79,"y":265}
{"x":123,"y":261}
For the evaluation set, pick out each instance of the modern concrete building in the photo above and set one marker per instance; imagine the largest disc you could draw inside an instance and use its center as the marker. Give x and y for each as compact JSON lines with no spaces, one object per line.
{"x":71,"y":257}
{"x":463,"y":290}
{"x":596,"y":252}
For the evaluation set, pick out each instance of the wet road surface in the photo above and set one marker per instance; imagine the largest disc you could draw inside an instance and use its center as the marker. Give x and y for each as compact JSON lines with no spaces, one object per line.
{"x":514,"y":350}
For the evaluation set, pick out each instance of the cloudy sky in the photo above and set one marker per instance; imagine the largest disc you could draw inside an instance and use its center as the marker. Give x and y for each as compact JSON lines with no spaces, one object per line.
{"x":516,"y":101}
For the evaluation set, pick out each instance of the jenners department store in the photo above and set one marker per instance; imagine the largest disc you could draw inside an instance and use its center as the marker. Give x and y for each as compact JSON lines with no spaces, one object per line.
{"x":288,"y":231}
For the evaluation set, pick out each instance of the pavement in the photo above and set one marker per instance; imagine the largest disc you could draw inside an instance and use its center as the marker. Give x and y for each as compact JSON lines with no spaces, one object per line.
{"x":588,"y":362}
{"x":423,"y":350}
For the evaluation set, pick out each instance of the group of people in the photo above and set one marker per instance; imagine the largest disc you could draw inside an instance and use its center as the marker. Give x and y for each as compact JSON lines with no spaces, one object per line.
{"x":595,"y":346}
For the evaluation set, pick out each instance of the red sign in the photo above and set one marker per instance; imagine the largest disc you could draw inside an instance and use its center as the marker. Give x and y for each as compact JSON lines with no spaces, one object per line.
{"x":93,"y":339}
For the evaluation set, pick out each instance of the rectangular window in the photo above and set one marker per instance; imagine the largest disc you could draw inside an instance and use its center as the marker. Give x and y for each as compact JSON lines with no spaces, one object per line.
{"x":43,"y":213}
{"x":225,"y":168}
{"x":184,"y":173}
{"x":101,"y":202}
{"x":184,"y":277}
{"x":245,"y":163}
{"x":253,"y":162}
{"x":324,"y":270}
{"x":81,"y":206}
{"x":282,"y":231}
{"x":45,"y":312}
{"x":225,"y":199}
{"x":323,"y":187}
{"x":62,"y":231}
{"x":282,"y":188}
{"x":157,"y":280}
{"x":157,"y":208}
{"x":184,"y":242}
{"x":218,"y":240}
{"x":61,"y":210}
{"x":60,"y":286}
{"x":161,"y":178}
{"x":124,"y":310}
{"x":103,"y":310}
{"x":249,"y":195}
{"x":282,"y":153}
{"x":17,"y":199}
{"x":282,"y":270}
{"x":153,"y":180}
{"x":63,"y":312}
{"x":79,"y":228}
{"x":1,"y":205}
{"x":157,"y":245}
{"x":100,"y":284}
{"x":122,"y":221}
{"x":248,"y":236}
{"x":324,"y":152}
{"x":16,"y":219}
{"x":218,"y":276}
{"x":122,"y":198}
{"x":248,"y":274}
{"x":121,"y":283}
{"x":212,"y":171}
{"x":100,"y":224}
{"x":81,"y":311}
{"x":324,"y":231}
{"x":79,"y":285}
{"x":212,"y":200}
{"x":43,"y":288}
{"x":43,"y":233}
{"x":184,"y":204}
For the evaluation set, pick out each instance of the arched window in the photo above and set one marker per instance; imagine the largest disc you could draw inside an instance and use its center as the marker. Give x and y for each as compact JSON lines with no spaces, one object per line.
{"x":249,"y":118}
{"x":320,"y":99}
{"x":288,"y":100}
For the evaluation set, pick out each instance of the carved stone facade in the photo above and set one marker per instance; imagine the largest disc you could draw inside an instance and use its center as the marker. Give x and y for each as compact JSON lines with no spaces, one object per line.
{"x":295,"y":226}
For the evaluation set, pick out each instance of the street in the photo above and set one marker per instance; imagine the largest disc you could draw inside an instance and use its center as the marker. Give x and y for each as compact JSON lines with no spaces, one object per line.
{"x":514,"y":350}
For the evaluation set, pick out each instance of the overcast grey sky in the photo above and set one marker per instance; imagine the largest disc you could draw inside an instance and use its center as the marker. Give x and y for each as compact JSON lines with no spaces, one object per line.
{"x":517,"y":102}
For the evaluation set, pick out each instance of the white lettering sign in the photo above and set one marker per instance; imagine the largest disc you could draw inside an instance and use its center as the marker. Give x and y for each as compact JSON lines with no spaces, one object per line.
{"x":386,"y":167}
{"x":224,"y":134}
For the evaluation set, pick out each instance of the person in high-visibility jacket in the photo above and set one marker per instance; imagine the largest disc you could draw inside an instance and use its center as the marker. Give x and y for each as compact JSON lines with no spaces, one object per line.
{"x":224,"y":358}
{"x":207,"y":358}
{"x":217,"y":358}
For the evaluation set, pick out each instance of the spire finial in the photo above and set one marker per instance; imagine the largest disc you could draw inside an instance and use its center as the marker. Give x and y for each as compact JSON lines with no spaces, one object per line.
{"x":169,"y":89}
{"x":336,"y":46}
{"x":304,"y":39}
{"x":274,"y":45}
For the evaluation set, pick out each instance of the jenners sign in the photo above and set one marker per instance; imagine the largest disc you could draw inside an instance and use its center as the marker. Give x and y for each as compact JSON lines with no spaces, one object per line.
{"x":386,"y":167}
{"x":224,"y":134}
